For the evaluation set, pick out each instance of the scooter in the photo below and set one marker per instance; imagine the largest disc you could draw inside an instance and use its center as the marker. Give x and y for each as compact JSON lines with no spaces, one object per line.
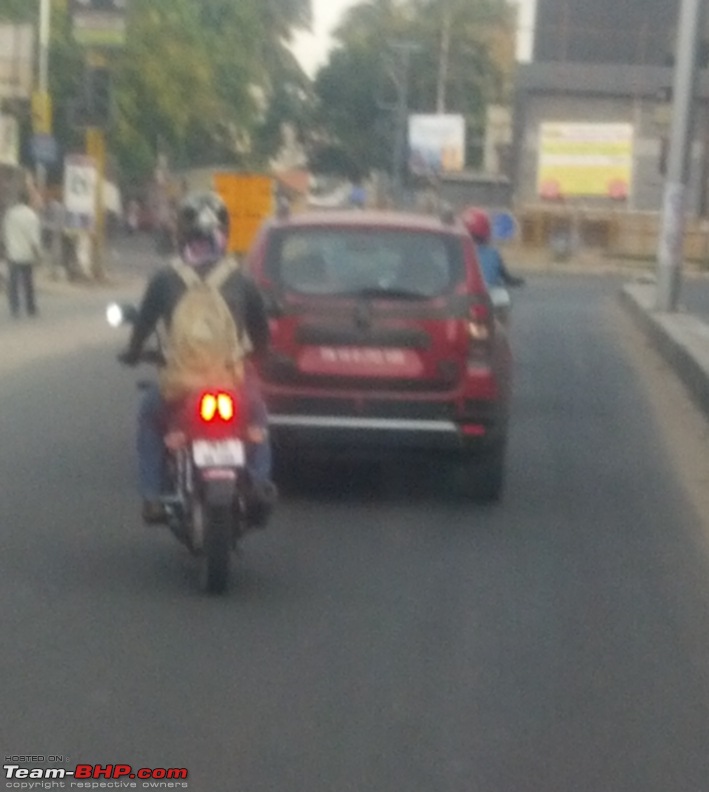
{"x":205,"y":442}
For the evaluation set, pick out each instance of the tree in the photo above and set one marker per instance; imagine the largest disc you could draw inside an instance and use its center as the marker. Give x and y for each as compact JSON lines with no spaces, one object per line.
{"x":462,"y":61}
{"x":349,"y":113}
{"x":196,"y":78}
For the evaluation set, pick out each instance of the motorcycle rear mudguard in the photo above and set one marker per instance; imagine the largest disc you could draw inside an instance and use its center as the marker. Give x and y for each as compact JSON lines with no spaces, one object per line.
{"x":219,"y":486}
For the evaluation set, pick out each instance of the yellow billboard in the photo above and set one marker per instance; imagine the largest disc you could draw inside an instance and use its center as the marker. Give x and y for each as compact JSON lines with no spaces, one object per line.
{"x":585,"y":159}
{"x":249,"y":199}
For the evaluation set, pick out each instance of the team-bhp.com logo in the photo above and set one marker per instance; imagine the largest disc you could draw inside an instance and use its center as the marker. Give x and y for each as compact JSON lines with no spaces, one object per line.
{"x":86,"y":776}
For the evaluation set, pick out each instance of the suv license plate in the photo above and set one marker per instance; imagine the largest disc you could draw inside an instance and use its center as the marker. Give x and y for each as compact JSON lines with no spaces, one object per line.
{"x":222,"y":453}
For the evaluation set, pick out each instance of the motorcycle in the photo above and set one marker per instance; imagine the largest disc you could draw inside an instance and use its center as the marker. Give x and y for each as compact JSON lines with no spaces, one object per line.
{"x":205,"y":443}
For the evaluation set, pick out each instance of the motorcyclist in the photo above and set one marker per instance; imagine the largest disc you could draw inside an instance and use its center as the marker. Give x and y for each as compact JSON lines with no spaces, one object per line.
{"x":494,"y":270}
{"x":202,"y":234}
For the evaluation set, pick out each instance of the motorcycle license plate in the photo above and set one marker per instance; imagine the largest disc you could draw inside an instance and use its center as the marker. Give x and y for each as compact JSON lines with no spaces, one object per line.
{"x":218,"y":453}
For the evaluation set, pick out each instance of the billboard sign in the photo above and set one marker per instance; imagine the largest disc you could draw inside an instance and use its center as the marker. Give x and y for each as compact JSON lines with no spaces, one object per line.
{"x":100,"y":23}
{"x":249,"y":197}
{"x":16,"y":61}
{"x":436,"y":144}
{"x":80,"y":184}
{"x":585,"y":159}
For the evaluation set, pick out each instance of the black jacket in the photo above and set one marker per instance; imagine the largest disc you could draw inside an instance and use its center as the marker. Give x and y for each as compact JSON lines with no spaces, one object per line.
{"x":165,"y":290}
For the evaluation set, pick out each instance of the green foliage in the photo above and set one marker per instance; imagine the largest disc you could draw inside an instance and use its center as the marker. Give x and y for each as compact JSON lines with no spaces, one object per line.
{"x":18,"y":11}
{"x":196,"y":79}
{"x":358,"y":88}
{"x":350,"y":114}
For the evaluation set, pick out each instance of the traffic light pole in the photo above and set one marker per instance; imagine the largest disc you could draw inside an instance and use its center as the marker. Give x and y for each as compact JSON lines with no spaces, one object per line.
{"x":45,"y":16}
{"x":98,"y":25}
{"x":96,"y":149}
{"x":671,"y":247}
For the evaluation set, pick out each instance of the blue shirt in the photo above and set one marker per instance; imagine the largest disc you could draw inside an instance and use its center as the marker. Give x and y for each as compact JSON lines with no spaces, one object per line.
{"x":491,"y":265}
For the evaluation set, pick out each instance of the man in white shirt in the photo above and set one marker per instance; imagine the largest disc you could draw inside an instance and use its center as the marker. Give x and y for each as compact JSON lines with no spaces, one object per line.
{"x":21,"y":233}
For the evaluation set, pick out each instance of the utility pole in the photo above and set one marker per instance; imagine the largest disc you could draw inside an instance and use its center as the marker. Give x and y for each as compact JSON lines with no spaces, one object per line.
{"x":444,"y":60}
{"x":404,"y":49}
{"x":671,"y":243}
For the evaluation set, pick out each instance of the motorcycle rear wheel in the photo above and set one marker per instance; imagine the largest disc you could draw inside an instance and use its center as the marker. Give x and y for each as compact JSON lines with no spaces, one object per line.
{"x":216,"y":553}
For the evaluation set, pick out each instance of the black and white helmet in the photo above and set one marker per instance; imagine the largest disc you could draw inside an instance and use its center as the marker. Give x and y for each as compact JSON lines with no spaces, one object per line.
{"x":201,"y":216}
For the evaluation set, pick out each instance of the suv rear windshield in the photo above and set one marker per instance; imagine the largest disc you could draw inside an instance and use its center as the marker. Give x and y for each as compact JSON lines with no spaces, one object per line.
{"x":377,"y":262}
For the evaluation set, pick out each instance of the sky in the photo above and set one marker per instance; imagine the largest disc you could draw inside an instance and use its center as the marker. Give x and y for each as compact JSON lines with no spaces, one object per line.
{"x":312,"y":48}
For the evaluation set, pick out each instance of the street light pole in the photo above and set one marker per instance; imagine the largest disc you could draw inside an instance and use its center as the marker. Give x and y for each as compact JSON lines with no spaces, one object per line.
{"x":404,"y":49}
{"x":444,"y":58}
{"x":671,"y":244}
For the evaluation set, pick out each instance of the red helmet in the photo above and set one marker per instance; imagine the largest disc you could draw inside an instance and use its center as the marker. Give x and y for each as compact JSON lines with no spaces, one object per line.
{"x":478,"y":224}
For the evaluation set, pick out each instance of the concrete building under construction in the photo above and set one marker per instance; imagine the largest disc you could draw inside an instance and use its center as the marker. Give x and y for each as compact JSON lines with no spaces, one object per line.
{"x":599,"y":69}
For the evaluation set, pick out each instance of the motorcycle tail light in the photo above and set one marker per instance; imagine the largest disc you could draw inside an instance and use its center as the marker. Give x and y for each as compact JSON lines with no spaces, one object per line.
{"x":225,"y":406}
{"x":208,"y":407}
{"x":217,"y":407}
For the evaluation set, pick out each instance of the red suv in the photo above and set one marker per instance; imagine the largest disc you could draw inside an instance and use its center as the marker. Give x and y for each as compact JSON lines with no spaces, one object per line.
{"x":384,"y":338}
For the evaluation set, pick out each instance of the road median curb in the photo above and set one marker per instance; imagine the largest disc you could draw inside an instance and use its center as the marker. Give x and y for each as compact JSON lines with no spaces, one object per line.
{"x":681,"y":339}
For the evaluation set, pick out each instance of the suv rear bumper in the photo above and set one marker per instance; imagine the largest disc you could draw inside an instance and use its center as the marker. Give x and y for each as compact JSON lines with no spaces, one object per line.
{"x":300,"y":432}
{"x":455,"y":419}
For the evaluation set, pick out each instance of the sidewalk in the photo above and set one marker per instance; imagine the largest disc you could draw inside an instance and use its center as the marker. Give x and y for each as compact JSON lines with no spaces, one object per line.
{"x":681,"y":338}
{"x":71,"y":318}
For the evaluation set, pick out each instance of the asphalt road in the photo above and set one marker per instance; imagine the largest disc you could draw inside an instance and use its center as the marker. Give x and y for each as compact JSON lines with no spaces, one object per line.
{"x":381,"y":636}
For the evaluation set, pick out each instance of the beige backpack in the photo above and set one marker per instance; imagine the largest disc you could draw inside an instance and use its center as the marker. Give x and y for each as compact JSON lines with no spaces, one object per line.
{"x":203,"y":347}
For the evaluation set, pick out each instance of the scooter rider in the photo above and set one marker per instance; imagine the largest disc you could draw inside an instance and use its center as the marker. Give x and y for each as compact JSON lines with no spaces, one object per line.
{"x":202,"y":234}
{"x":493,"y":267}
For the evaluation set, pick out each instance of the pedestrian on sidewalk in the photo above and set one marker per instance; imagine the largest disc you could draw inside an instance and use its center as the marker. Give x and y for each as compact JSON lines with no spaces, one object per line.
{"x":21,"y":235}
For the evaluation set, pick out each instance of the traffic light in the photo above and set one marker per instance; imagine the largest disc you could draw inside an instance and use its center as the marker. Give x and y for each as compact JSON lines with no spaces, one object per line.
{"x":98,"y":96}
